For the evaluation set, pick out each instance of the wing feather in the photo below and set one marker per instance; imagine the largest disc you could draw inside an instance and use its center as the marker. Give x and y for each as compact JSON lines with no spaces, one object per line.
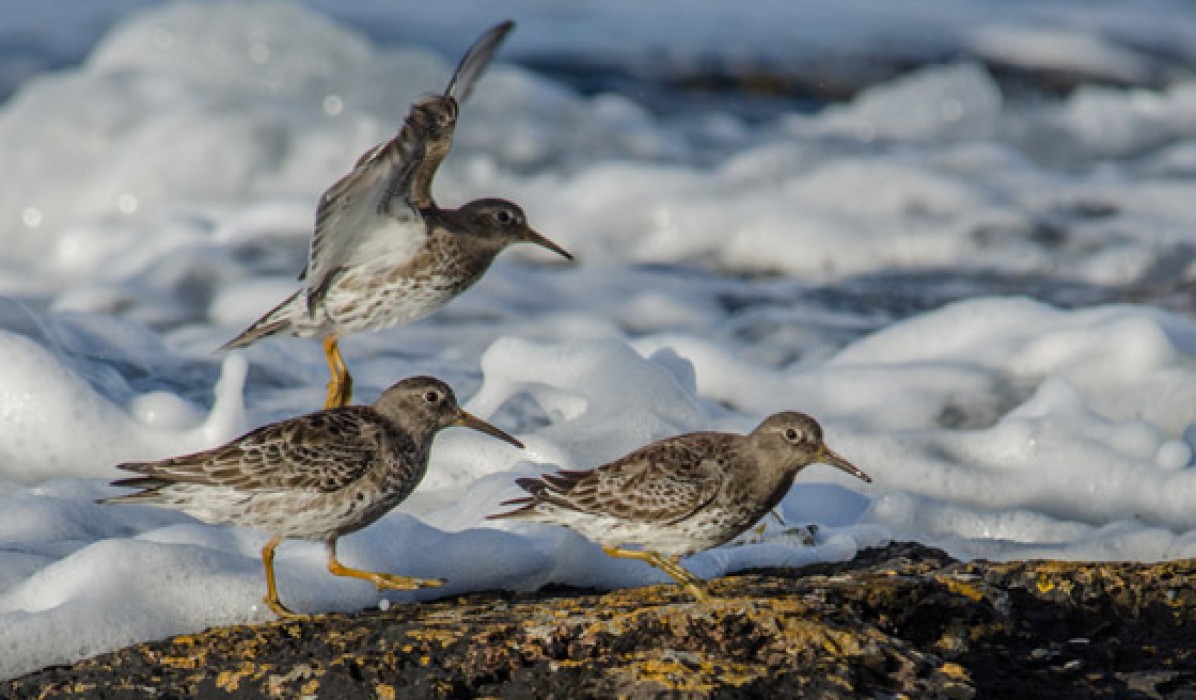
{"x":323,"y":452}
{"x":475,"y":61}
{"x":392,"y":182}
{"x":664,"y":483}
{"x":373,"y":197}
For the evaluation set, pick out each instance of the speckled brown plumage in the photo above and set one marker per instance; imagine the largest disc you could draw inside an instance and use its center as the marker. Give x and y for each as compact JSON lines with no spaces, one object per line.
{"x":681,"y":495}
{"x":383,"y":253}
{"x":316,"y":477}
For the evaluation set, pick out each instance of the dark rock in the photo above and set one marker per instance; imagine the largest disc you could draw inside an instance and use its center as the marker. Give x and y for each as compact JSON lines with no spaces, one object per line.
{"x":902,"y":620}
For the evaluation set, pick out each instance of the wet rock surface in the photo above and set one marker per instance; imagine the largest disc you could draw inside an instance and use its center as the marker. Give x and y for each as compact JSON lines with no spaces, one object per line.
{"x":903,"y":619}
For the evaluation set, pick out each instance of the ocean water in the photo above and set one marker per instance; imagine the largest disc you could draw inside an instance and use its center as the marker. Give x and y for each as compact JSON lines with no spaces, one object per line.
{"x":973,"y":267}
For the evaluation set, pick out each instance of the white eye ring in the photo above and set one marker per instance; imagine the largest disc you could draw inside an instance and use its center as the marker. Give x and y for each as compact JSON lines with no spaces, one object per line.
{"x":432,"y":397}
{"x":504,"y":216}
{"x":792,"y":435}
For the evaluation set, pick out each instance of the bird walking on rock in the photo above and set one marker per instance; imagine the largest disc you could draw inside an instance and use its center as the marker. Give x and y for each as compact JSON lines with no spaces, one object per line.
{"x":315,"y":477}
{"x":383,"y":253}
{"x":680,"y":495}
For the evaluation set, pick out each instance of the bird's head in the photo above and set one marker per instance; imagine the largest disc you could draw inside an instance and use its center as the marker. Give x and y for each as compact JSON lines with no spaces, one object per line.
{"x":427,"y":402}
{"x":791,"y":441}
{"x":504,"y":223}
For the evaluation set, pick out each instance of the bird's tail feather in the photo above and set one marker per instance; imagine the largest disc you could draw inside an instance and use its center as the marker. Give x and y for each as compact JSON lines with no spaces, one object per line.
{"x":149,"y":486}
{"x":526,"y":504}
{"x":275,"y":321}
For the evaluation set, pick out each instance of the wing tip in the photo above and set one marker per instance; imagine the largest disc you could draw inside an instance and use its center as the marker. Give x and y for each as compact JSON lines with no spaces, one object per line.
{"x":476,"y":58}
{"x":503,"y":28}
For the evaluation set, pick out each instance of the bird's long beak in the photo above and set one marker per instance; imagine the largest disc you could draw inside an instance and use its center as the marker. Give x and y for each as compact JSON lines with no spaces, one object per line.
{"x":533,"y":237}
{"x":828,"y":456}
{"x":466,"y":419}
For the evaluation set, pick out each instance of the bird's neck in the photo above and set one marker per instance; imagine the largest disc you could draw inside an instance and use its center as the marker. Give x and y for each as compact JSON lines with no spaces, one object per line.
{"x":422,"y":436}
{"x":452,"y":223}
{"x":773,"y":486}
{"x":417,"y":434}
{"x":771,"y":480}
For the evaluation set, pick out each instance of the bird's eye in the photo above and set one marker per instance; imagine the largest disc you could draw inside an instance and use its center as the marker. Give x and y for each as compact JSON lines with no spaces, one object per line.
{"x":792,"y":435}
{"x":432,"y":397}
{"x":504,"y":217}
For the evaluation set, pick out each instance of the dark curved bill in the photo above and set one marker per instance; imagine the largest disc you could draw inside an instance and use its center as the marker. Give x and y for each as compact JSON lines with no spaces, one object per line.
{"x":466,"y":419}
{"x":533,"y":237}
{"x":828,"y":456}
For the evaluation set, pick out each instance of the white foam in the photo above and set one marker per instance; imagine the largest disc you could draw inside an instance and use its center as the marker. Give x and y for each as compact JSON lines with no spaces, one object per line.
{"x":1060,"y":49}
{"x":52,"y":423}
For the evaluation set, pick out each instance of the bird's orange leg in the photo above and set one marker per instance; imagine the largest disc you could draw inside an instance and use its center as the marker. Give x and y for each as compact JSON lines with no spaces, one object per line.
{"x":402,"y":583}
{"x":271,"y":598}
{"x":669,"y":565}
{"x":340,"y":386}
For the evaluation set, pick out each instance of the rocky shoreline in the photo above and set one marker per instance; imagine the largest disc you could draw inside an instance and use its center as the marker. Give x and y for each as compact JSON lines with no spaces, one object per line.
{"x":903,"y":619}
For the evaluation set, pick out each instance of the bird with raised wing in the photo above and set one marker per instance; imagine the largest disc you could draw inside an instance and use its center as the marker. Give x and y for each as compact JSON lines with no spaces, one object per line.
{"x":383,"y":253}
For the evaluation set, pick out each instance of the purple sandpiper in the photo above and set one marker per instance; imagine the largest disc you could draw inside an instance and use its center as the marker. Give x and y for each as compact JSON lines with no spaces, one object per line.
{"x":383,"y":253}
{"x":314,"y":477}
{"x":680,"y":495}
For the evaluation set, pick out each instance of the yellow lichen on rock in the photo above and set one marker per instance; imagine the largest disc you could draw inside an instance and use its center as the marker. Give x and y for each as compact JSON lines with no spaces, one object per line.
{"x":905,"y":621}
{"x":1045,"y":584}
{"x":439,"y":635}
{"x":670,"y":674}
{"x":963,"y":588}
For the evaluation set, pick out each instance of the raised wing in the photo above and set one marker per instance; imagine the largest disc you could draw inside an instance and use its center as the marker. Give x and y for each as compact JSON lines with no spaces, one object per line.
{"x":324,"y":452}
{"x":356,"y":209}
{"x":475,"y":61}
{"x":392,"y":182}
{"x":664,"y":482}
